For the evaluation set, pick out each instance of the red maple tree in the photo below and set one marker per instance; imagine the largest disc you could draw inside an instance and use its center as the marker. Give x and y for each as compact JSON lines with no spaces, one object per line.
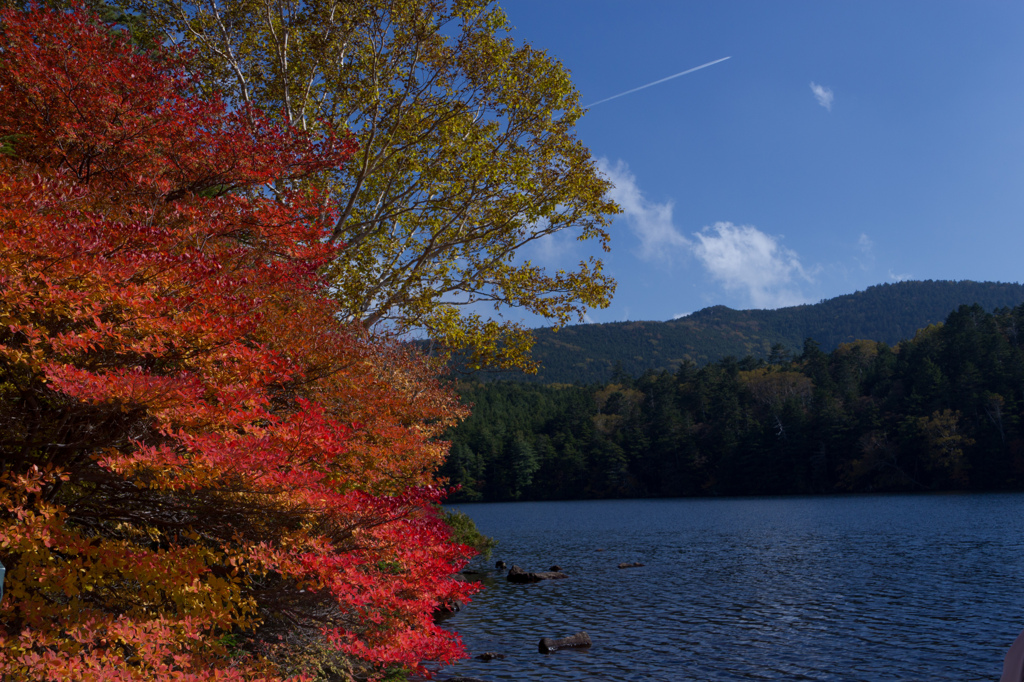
{"x":203,"y":470}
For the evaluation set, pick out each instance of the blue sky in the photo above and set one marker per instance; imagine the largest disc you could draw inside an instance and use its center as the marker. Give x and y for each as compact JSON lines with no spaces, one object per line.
{"x":842,"y":145}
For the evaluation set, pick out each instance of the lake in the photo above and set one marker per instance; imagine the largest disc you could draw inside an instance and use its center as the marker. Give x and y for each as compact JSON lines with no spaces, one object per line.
{"x":879,"y":587}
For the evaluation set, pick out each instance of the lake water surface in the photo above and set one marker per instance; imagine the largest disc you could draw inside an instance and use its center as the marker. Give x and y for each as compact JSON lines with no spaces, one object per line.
{"x":881,"y":587}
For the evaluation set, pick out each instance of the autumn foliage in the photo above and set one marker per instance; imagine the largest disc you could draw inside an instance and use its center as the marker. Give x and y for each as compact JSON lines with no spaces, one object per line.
{"x":203,"y":470}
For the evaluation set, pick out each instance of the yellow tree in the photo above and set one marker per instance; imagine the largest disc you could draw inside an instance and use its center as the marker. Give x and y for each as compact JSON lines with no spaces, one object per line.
{"x":944,"y":442}
{"x":467,"y":154}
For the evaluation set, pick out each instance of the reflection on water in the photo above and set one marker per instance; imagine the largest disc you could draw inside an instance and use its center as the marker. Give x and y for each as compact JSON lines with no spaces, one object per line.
{"x":843,"y":588}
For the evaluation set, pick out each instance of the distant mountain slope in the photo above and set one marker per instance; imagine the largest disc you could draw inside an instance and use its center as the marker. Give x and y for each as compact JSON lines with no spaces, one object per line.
{"x":589,"y":353}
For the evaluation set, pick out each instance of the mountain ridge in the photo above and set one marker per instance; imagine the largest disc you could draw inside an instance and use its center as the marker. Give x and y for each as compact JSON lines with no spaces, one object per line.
{"x":888,"y":313}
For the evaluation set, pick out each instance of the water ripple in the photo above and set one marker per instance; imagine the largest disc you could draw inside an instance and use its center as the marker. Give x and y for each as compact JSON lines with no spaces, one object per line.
{"x":850,"y":588}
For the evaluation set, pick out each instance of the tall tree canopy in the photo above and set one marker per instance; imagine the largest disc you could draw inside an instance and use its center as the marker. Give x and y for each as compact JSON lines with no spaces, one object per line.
{"x":204,"y":473}
{"x":466,"y":153}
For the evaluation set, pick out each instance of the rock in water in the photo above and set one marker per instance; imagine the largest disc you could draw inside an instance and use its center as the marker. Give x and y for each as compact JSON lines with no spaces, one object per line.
{"x":490,"y":656}
{"x":577,"y":641}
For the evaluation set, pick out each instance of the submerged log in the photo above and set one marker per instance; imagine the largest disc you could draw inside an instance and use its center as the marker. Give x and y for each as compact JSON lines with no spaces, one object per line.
{"x":635,"y":564}
{"x":518,"y":575}
{"x":577,"y":641}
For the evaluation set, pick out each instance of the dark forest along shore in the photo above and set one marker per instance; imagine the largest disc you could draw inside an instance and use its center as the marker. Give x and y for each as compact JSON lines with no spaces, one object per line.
{"x":872,"y":588}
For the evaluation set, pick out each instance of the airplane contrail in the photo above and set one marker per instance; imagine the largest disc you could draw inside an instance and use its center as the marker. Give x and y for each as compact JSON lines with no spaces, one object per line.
{"x":681,"y":73}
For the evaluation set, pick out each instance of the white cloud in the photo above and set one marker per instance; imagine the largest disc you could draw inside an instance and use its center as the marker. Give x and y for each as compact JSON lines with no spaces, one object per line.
{"x":824,"y":95}
{"x":866,"y":259}
{"x":865,"y":244}
{"x":551,"y":249}
{"x":651,"y":222}
{"x":740,"y":257}
{"x":678,"y":316}
{"x":744,"y":258}
{"x":899,"y":278}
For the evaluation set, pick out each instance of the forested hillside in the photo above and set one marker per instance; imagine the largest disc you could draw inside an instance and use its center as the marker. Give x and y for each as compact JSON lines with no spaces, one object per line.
{"x":939,"y":412}
{"x":887,"y":313}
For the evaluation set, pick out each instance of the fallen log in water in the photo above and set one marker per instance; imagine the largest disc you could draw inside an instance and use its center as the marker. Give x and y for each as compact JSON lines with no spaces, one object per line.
{"x":579,"y":640}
